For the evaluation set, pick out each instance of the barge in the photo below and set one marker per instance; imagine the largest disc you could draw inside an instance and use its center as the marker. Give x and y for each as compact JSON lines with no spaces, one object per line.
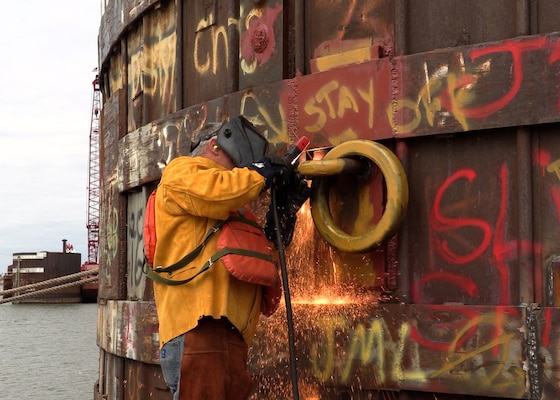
{"x":89,"y":289}
{"x":40,"y":272}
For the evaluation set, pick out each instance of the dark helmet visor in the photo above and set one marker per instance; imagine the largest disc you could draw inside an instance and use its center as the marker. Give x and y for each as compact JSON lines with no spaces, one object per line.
{"x":242,"y":142}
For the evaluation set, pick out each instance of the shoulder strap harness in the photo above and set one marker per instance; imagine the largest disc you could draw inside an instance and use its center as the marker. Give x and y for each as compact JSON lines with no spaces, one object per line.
{"x":154,"y":273}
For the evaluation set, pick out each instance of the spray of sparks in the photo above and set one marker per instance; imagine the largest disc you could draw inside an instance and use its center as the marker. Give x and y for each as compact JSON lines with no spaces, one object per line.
{"x":319,"y":293}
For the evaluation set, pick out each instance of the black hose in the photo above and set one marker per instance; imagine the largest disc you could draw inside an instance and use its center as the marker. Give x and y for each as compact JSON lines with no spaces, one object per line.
{"x":283,"y":269}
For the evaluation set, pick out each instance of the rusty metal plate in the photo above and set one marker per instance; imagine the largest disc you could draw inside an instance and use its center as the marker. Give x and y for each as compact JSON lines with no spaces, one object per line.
{"x":436,"y":24}
{"x":344,"y":32}
{"x":144,"y":381}
{"x":261,"y":42}
{"x":463,"y":220}
{"x":159,"y":60}
{"x":545,"y":16}
{"x":396,"y":347}
{"x":208,"y":47}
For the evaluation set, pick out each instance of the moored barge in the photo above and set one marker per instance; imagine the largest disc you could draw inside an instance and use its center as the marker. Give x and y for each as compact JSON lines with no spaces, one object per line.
{"x":32,"y":268}
{"x":89,"y":289}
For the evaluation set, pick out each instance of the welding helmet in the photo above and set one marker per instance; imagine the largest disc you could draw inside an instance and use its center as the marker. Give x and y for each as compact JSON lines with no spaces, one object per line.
{"x":241,"y":141}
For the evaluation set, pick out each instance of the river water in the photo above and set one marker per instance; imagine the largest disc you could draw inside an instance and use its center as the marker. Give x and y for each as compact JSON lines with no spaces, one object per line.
{"x":48,"y":351}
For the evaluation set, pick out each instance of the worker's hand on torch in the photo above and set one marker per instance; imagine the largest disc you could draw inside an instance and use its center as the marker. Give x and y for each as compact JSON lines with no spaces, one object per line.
{"x":289,"y":199}
{"x":275,"y":170}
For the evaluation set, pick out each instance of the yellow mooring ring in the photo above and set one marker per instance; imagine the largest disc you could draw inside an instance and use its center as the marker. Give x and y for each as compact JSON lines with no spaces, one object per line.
{"x":395,"y":207}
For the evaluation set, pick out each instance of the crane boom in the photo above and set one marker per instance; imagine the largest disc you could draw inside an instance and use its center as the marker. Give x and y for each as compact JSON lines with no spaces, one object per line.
{"x":93,"y":176}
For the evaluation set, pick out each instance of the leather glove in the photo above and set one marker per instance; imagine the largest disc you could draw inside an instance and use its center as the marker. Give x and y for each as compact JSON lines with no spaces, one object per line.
{"x":297,"y":192}
{"x":289,"y":200}
{"x":275,"y":170}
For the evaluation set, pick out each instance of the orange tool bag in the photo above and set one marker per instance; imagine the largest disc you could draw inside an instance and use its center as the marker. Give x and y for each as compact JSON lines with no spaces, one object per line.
{"x":242,"y":247}
{"x":150,"y":239}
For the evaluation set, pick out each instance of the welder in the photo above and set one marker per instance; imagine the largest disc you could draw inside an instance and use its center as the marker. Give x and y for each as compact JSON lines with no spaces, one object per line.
{"x":207,"y":316}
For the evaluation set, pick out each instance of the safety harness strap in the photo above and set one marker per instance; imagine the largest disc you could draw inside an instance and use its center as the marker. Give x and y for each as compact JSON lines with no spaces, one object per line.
{"x":150,"y":273}
{"x":243,"y":252}
{"x":154,"y":273}
{"x":193,"y":254}
{"x":215,"y":257}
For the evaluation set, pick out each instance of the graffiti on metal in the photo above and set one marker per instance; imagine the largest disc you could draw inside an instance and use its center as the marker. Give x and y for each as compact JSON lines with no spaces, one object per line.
{"x":434,"y":97}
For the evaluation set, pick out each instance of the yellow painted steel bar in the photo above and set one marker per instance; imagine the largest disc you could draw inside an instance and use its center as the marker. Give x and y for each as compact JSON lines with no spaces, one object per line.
{"x":336,"y":166}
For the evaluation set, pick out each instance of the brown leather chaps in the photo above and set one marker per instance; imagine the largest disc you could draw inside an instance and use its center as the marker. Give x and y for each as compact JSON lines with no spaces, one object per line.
{"x":214,"y":363}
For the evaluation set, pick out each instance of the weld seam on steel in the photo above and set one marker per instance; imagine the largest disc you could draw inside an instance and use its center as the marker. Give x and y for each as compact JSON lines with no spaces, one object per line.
{"x":550,"y":281}
{"x":532,"y":343}
{"x":550,"y":285}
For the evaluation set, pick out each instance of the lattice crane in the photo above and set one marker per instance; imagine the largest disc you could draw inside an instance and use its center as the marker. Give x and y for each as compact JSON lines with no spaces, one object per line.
{"x":93,"y":176}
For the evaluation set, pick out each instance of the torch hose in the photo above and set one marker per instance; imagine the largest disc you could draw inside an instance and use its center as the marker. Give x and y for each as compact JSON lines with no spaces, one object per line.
{"x":284,"y":271}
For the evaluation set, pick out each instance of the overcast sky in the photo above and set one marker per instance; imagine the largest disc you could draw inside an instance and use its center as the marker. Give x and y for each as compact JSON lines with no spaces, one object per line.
{"x":48,"y":51}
